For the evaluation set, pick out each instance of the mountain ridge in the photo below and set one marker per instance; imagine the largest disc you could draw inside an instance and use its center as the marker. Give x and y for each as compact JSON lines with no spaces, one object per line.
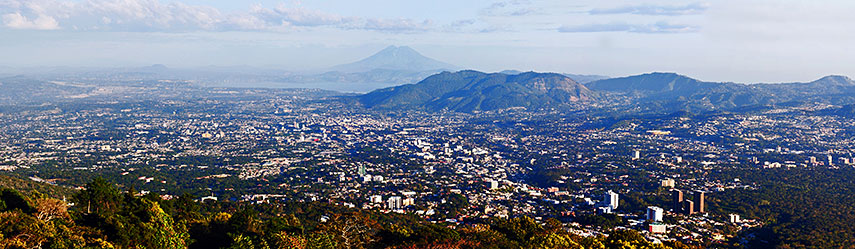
{"x":470,"y":90}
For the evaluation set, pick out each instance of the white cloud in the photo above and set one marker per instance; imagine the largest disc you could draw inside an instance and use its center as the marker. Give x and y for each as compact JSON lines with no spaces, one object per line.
{"x":18,"y":21}
{"x":510,"y":8}
{"x":655,"y":10}
{"x":153,"y":15}
{"x":401,"y":25}
{"x":656,"y":28}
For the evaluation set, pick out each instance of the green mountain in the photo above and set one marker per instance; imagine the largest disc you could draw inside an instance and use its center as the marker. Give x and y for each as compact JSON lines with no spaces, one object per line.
{"x":657,"y":92}
{"x":468,"y":91}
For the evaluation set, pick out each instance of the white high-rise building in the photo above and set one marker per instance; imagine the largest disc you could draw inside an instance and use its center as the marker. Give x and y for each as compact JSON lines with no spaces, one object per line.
{"x":494,"y":184}
{"x":611,"y":200}
{"x":667,"y":183}
{"x":734,"y":218}
{"x":394,"y":202}
{"x":654,"y":214}
{"x":636,"y":155}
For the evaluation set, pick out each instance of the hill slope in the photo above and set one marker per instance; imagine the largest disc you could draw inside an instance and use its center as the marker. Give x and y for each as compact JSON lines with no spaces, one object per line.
{"x":672,"y":92}
{"x":29,"y":186}
{"x":468,"y":91}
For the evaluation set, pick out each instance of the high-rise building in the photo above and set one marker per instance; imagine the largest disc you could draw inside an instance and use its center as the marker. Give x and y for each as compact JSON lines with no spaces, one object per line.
{"x":668,"y":183}
{"x":688,"y":207}
{"x":676,"y":200}
{"x":394,"y":202}
{"x":654,"y":214}
{"x":734,"y":218}
{"x":494,"y":184}
{"x":636,"y":154}
{"x":830,"y":160}
{"x":611,"y":200}
{"x":409,"y":201}
{"x":699,"y":201}
{"x":362,"y":170}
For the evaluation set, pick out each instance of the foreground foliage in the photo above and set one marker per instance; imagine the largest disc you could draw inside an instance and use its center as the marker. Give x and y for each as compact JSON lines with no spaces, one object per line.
{"x":104,"y":217}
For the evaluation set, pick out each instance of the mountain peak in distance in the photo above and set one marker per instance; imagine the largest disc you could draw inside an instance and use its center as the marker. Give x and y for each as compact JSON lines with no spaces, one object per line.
{"x":397,"y":58}
{"x":835,"y":80}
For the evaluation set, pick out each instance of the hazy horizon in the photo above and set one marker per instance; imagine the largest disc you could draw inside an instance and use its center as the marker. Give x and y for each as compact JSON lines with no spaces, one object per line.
{"x":722,"y":41}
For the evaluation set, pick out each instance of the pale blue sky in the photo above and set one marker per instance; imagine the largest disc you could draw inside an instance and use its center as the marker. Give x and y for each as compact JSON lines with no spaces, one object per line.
{"x":717,"y":40}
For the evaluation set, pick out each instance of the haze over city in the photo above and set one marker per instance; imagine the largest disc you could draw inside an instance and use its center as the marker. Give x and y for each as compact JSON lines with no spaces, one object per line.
{"x":730,"y":41}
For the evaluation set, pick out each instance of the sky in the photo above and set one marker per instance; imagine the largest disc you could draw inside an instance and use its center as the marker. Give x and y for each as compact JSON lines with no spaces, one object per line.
{"x":745,"y":41}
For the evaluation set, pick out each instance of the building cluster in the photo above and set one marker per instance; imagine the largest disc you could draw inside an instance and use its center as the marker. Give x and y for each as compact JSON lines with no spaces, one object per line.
{"x":679,"y":204}
{"x":267,"y":146}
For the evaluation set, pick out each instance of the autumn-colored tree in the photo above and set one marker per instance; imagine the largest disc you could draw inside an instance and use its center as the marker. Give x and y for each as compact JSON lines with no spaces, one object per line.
{"x":350,"y":230}
{"x":48,"y":209}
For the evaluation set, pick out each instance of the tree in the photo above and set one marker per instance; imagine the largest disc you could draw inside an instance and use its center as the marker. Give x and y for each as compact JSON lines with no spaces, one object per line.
{"x":143,"y":224}
{"x":100,"y":197}
{"x":12,"y":200}
{"x":48,"y":209}
{"x":350,"y":230}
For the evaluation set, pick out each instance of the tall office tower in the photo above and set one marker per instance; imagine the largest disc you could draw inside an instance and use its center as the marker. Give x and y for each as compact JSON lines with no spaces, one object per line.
{"x":688,"y":207}
{"x":654,"y":214}
{"x":611,"y":199}
{"x":361,"y":170}
{"x":394,"y":202}
{"x":830,"y":160}
{"x":677,"y":200}
{"x":494,"y":184}
{"x":668,"y":183}
{"x":636,"y":155}
{"x":699,"y":201}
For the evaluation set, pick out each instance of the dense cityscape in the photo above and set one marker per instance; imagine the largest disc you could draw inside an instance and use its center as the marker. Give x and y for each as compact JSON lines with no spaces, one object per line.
{"x":666,"y":176}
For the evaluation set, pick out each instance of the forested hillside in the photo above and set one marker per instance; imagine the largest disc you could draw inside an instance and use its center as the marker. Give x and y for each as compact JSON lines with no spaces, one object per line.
{"x":105,"y":217}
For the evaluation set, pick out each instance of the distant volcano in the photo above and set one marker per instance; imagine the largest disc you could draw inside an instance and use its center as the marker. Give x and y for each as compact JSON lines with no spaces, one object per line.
{"x":395,"y":58}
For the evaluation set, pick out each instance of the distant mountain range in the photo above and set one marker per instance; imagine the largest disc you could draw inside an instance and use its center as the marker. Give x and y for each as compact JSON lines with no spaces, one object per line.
{"x":674,"y":92}
{"x":407,"y":79}
{"x":469,"y":91}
